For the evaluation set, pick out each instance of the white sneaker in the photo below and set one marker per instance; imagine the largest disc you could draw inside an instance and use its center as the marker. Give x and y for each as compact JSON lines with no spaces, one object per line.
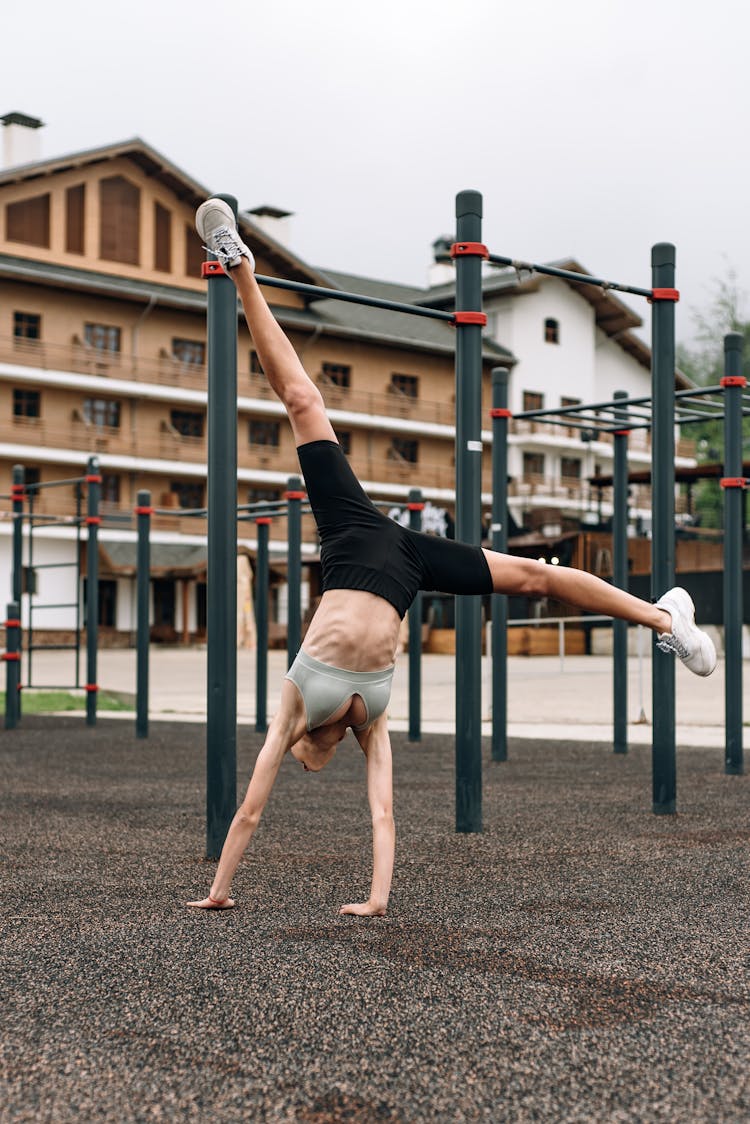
{"x":215,"y":222}
{"x":694,"y":647}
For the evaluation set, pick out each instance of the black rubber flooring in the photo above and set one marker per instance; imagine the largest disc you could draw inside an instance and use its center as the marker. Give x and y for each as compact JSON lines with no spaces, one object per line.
{"x":581,"y":960}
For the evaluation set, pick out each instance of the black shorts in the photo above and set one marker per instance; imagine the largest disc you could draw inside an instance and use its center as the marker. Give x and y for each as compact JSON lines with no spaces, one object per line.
{"x":361,"y":548}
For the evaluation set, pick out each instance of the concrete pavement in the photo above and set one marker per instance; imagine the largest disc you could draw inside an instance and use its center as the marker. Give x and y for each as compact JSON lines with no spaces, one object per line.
{"x":547,"y":697}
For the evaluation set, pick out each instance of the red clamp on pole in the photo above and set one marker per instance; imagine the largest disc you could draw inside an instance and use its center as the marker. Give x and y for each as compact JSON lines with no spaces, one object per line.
{"x":11,"y":657}
{"x":415,"y":506}
{"x":93,"y":479}
{"x":470,"y":318}
{"x":212,"y":269}
{"x":143,"y":510}
{"x":263,"y":519}
{"x":664,"y":295}
{"x":91,"y":687}
{"x":17,"y":491}
{"x":500,"y":412}
{"x":294,"y":495}
{"x":733,"y":380}
{"x":12,"y":624}
{"x":93,"y":520}
{"x":733,"y":482}
{"x":621,"y":432}
{"x":469,"y":249}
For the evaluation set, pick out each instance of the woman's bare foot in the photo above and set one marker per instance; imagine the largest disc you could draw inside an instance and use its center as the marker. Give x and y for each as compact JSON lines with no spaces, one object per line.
{"x":363,"y":909}
{"x":212,"y":903}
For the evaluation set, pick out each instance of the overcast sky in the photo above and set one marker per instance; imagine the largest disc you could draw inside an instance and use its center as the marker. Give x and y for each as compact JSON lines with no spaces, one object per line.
{"x":593,"y":128}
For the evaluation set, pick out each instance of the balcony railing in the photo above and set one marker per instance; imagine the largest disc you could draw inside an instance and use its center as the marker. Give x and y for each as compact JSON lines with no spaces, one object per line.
{"x":79,"y":359}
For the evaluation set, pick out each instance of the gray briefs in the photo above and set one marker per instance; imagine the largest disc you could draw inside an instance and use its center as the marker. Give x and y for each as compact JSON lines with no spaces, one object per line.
{"x":324,"y":689}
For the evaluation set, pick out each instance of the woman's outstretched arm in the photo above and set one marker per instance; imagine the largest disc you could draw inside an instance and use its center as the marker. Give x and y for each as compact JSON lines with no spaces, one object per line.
{"x":284,"y":730}
{"x":376,"y":744}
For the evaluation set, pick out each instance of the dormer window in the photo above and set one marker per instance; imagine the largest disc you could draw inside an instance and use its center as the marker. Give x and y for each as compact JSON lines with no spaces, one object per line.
{"x":551,"y":330}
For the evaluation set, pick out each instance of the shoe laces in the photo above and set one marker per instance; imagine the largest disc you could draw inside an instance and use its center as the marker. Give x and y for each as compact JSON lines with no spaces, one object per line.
{"x":226,"y":244}
{"x":669,"y":643}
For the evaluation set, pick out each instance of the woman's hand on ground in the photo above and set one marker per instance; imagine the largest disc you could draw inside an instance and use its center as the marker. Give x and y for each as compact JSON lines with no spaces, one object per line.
{"x":363,"y":909}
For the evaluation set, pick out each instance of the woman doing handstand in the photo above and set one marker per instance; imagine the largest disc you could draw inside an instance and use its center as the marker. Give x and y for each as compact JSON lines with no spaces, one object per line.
{"x":372,"y":568}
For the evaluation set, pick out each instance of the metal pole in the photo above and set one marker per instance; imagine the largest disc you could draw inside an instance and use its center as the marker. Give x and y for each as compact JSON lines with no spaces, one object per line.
{"x":221,"y":731}
{"x":263,"y":523}
{"x":12,"y":660}
{"x":469,"y":320}
{"x":499,"y":602}
{"x":415,"y":505}
{"x":294,"y":495}
{"x":620,"y":581}
{"x":17,"y":491}
{"x":94,"y":482}
{"x":143,"y":512}
{"x":733,"y":485}
{"x":663,"y":754}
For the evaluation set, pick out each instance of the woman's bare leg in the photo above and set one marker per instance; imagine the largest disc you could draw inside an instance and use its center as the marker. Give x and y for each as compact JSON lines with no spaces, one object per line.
{"x":575,"y":587}
{"x":280,"y":362}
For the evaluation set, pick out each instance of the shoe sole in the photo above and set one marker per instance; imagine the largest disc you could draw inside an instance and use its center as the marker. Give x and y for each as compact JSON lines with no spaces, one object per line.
{"x":213,"y":205}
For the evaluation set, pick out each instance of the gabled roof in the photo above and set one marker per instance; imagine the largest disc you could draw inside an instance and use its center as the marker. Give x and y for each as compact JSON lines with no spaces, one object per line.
{"x":402,"y":324}
{"x":183,"y":186}
{"x":612,"y":316}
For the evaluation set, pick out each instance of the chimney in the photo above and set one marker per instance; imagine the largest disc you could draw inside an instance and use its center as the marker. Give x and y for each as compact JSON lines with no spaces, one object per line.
{"x":442,"y":271}
{"x":21,"y":141}
{"x":275,"y":222}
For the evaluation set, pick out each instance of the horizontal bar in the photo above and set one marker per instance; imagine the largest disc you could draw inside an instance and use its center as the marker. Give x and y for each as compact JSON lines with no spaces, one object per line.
{"x":52,"y":687}
{"x":562,"y":620}
{"x":51,"y":647}
{"x":354,"y":298}
{"x":568,"y":275}
{"x":62,"y":605}
{"x":33,"y":488}
{"x":52,"y":565}
{"x":616,"y":403}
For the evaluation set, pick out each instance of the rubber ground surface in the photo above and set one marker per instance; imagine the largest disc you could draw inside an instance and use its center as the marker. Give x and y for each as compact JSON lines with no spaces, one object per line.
{"x":581,"y":960}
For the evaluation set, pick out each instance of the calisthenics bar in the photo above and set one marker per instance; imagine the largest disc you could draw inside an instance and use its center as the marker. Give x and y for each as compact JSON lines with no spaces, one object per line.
{"x":568,"y":275}
{"x":348,"y":298}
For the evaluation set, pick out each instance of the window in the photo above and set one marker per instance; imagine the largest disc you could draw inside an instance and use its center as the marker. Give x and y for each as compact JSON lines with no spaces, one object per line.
{"x":102,"y":337}
{"x":110,"y":489}
{"x":32,"y":477}
{"x":336,"y":374}
{"x":408,"y":385}
{"x":162,"y":239}
{"x":255,"y":367}
{"x":27,"y":403}
{"x":344,"y":439}
{"x":189,"y":494}
{"x":107,"y":602}
{"x":551,"y":331}
{"x":263,"y":495}
{"x":570,"y":401}
{"x":188,"y":423}
{"x":189,"y":351}
{"x":102,"y":412}
{"x":533,"y":466}
{"x":27,"y":326}
{"x":195,"y":255}
{"x":570,"y":468}
{"x":119,"y":220}
{"x":75,"y":200}
{"x":263,"y":432}
{"x":28,"y":221}
{"x":404,"y":449}
{"x":532,"y":400}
